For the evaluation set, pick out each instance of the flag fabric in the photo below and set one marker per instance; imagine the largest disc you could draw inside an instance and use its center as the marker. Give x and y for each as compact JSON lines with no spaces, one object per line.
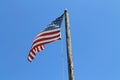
{"x":50,"y":34}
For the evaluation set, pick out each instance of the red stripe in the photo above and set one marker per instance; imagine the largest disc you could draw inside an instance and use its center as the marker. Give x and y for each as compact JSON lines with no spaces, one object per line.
{"x":49,"y":33}
{"x":51,"y":41}
{"x":38,"y":49}
{"x":46,"y":42}
{"x":32,"y":52}
{"x":43,"y":39}
{"x":30,"y":57}
{"x":42,"y":47}
{"x":29,"y":60}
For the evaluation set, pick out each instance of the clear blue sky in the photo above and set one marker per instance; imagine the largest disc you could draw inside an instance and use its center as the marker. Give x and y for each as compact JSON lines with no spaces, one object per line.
{"x":95,"y":32}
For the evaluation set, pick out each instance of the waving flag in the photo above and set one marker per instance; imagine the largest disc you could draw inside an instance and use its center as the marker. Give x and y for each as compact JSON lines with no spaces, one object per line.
{"x":49,"y":34}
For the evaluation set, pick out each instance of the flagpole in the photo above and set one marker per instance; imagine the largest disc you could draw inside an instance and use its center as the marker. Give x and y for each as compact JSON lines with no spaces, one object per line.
{"x":69,"y":47}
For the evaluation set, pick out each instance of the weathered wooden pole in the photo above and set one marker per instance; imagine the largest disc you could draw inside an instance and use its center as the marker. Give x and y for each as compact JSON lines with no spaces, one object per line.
{"x":69,"y":47}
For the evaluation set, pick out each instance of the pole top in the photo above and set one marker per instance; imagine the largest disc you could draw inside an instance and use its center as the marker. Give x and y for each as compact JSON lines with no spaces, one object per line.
{"x":66,"y":10}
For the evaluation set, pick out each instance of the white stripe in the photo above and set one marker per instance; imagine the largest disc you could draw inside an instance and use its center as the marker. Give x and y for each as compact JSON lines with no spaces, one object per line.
{"x":35,"y":51}
{"x":32,"y":54}
{"x":29,"y":58}
{"x":43,"y":47}
{"x":45,"y":41}
{"x":47,"y":31}
{"x":39,"y":48}
{"x":46,"y":36}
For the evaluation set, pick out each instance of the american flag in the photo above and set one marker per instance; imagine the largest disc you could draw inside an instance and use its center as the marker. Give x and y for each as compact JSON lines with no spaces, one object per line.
{"x":49,"y":34}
